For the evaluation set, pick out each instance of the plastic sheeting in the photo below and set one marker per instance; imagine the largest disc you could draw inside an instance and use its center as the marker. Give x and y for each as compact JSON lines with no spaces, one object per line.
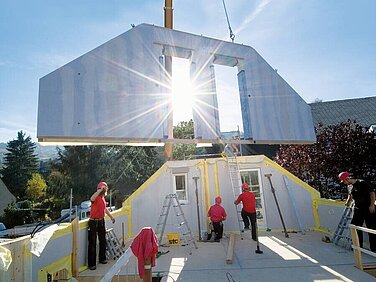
{"x":40,"y":240}
{"x":120,"y":92}
{"x":5,"y":258}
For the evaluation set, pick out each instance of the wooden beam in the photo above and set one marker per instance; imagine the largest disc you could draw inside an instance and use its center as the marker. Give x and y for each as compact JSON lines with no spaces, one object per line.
{"x":357,"y":252}
{"x":230,"y":250}
{"x":148,"y":271}
{"x":75,"y":230}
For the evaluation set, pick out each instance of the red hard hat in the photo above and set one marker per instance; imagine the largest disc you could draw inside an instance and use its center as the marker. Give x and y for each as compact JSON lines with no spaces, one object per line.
{"x":101,"y":185}
{"x":245,"y":186}
{"x":343,"y":175}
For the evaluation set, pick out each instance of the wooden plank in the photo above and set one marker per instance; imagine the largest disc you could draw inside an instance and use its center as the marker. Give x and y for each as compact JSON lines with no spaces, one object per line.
{"x":230,"y":250}
{"x":357,"y":252}
{"x":18,"y":250}
{"x":75,"y":230}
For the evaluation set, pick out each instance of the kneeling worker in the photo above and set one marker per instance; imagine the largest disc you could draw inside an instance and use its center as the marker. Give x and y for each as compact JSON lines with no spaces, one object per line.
{"x":217,"y":214}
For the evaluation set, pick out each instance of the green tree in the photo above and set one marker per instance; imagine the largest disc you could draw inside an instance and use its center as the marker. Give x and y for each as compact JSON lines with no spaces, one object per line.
{"x":36,"y":188}
{"x":124,"y":168}
{"x":184,"y":130}
{"x":20,"y":162}
{"x":343,"y":147}
{"x":80,"y":165}
{"x":58,"y":185}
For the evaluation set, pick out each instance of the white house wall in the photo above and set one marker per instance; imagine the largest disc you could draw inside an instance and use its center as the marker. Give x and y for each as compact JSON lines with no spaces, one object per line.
{"x":330,"y":216}
{"x":303,"y":201}
{"x":54,"y":250}
{"x":147,"y":206}
{"x":119,"y":92}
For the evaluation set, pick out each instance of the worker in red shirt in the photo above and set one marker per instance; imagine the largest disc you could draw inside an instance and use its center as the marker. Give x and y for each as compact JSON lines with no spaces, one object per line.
{"x":96,"y":226}
{"x":248,"y":212}
{"x":217,"y":214}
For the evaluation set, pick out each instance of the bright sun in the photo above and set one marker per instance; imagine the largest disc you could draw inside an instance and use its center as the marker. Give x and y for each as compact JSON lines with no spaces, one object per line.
{"x":182,"y":90}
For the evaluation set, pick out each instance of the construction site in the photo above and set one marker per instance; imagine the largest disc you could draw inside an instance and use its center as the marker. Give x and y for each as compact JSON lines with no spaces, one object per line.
{"x":109,"y":96}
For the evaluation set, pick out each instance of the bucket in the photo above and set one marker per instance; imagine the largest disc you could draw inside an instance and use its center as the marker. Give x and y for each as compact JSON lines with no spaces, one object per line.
{"x":173,"y":239}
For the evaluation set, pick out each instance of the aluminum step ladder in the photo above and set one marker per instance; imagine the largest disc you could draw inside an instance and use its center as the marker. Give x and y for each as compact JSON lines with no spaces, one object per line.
{"x":236,"y":183}
{"x":171,"y":200}
{"x":343,"y":231}
{"x":114,"y":249}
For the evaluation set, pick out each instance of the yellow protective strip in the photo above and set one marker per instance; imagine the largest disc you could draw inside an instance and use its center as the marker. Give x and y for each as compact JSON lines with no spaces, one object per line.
{"x":61,"y":232}
{"x":314,"y":193}
{"x":142,"y":188}
{"x":129,"y":222}
{"x":215,"y":171}
{"x":127,"y":204}
{"x":328,"y":202}
{"x":63,"y":263}
{"x":207,"y":186}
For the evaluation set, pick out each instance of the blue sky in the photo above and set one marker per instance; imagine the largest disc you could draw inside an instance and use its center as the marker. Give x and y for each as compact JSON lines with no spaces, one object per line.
{"x":323,"y":48}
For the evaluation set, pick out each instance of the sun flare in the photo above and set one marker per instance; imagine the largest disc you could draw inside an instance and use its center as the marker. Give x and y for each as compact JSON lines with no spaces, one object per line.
{"x":182,"y":91}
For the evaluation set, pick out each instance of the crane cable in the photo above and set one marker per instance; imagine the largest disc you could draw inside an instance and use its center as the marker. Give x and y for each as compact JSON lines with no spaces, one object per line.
{"x":232,"y":35}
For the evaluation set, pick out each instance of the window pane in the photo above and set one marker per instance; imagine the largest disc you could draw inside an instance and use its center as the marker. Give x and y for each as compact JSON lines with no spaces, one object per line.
{"x":180,"y":187}
{"x":180,"y":182}
{"x":181,"y":195}
{"x":254,"y":177}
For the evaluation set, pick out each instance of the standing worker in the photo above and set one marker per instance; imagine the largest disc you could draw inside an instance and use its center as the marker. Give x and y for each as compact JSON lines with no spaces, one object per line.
{"x":217,"y":214}
{"x":248,"y":212}
{"x":96,"y":226}
{"x":364,"y":211}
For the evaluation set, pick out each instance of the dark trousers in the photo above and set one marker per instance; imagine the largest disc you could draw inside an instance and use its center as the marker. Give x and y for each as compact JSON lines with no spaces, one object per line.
{"x":218,"y":230}
{"x":361,"y":216}
{"x":96,"y":227}
{"x":249,"y":217}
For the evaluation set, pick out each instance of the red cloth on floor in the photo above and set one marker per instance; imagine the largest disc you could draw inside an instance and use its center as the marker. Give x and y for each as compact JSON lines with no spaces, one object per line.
{"x":145,"y":245}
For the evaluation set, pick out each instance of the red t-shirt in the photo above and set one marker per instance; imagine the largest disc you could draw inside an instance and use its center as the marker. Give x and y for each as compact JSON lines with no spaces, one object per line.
{"x":217,"y":213}
{"x":97,"y":209}
{"x":249,"y":201}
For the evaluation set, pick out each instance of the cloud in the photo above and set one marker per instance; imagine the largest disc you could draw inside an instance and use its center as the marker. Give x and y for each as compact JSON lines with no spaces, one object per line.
{"x":259,"y":8}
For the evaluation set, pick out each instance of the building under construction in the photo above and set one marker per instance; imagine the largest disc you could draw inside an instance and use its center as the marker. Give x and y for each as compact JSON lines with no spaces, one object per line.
{"x":118,"y":93}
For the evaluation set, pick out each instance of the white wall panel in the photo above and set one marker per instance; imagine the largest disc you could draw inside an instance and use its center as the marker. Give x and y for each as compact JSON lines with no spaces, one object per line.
{"x":118,"y":92}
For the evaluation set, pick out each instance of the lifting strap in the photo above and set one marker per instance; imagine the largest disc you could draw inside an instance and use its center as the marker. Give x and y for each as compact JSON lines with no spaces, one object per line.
{"x":232,"y":35}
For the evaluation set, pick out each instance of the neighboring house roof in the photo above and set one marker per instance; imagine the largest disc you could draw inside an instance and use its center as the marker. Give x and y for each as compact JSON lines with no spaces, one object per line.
{"x":362,"y":110}
{"x":6,"y":197}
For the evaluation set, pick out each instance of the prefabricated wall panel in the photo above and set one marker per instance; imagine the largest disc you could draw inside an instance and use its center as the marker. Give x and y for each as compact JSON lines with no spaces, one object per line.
{"x":120,"y":92}
{"x":147,"y":205}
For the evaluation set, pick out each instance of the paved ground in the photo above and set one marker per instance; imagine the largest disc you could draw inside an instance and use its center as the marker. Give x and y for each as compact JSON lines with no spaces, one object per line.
{"x":297,"y":258}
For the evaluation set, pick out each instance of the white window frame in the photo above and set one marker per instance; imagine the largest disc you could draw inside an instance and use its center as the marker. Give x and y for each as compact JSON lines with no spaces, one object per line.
{"x":182,"y":201}
{"x":262,"y":223}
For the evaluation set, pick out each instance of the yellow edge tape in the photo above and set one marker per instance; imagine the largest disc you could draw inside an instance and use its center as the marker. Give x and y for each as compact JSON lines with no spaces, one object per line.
{"x":127,"y":204}
{"x":216,"y":181}
{"x":142,"y":188}
{"x":314,"y":193}
{"x":207,"y":187}
{"x":60,"y":264}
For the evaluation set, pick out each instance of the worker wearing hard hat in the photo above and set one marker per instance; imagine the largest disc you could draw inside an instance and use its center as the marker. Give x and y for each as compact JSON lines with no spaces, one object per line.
{"x":217,"y":215}
{"x":363,"y":195}
{"x":248,"y":212}
{"x":96,"y":226}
